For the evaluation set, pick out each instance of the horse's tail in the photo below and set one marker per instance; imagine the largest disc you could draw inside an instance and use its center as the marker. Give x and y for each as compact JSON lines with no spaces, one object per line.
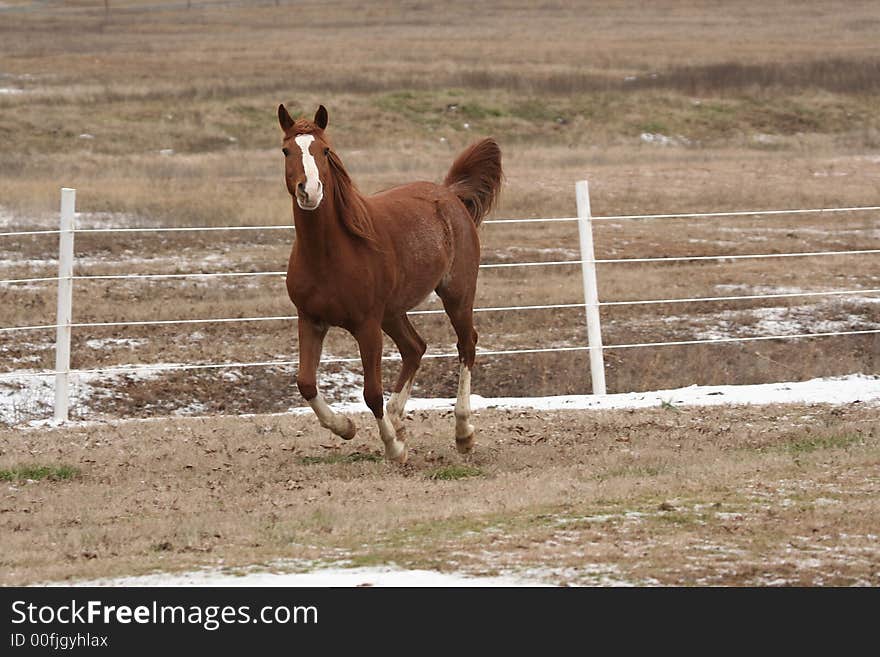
{"x":475,"y":177}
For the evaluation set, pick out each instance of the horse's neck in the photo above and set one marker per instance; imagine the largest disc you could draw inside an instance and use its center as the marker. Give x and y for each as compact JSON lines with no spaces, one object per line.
{"x":319,"y":233}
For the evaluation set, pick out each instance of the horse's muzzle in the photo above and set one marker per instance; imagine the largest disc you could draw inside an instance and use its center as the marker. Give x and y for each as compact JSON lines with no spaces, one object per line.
{"x":308,"y":201}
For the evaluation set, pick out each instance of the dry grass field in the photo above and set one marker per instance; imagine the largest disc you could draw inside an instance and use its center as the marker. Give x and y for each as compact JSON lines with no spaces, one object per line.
{"x":161,"y":115}
{"x":724,"y":496}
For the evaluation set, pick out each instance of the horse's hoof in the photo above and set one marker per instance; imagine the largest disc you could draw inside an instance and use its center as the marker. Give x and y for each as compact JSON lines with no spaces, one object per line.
{"x":396,"y":452}
{"x":349,"y":431}
{"x":465,"y":445}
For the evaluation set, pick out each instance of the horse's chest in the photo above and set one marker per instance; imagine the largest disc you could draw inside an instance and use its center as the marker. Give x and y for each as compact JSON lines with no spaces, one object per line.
{"x":325,"y":300}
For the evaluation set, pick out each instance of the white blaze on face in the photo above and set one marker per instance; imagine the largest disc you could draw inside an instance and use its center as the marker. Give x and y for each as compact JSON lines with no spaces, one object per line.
{"x":314,"y":186}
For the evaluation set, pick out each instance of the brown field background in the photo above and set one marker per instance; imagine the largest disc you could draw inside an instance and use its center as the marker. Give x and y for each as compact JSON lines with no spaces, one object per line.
{"x":765,"y":105}
{"x":161,"y":115}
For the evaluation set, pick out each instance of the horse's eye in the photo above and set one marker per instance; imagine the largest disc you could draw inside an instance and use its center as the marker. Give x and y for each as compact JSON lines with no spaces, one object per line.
{"x":326,"y":151}
{"x":286,"y":151}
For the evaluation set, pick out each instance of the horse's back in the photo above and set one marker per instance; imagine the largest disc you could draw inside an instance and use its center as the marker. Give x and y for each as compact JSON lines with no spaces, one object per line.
{"x":411,"y":197}
{"x":422,"y":207}
{"x":432,"y":236}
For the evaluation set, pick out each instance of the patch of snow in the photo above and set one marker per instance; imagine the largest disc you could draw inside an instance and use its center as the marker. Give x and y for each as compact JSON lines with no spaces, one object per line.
{"x":103,"y":343}
{"x":758,"y":289}
{"x":656,"y":138}
{"x":774,"y":320}
{"x":694,"y":240}
{"x":764,"y":138}
{"x":556,"y":253}
{"x":663,"y":140}
{"x":104,"y":219}
{"x":589,"y":574}
{"x":49,"y":220}
{"x":6,"y":218}
{"x":195,"y":408}
{"x":325,"y":577}
{"x":866,"y":231}
{"x":28,"y":399}
{"x":231,"y":375}
{"x":728,"y":515}
{"x":25,"y":398}
{"x":831,"y":390}
{"x":345,"y":385}
{"x":602,"y":517}
{"x":35,"y":349}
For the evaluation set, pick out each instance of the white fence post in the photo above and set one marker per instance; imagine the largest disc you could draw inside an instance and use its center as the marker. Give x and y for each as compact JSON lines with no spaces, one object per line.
{"x":591,"y":292}
{"x":65,"y":304}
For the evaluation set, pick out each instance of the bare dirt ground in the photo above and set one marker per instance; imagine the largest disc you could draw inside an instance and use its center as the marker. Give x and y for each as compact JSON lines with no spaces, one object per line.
{"x":733,"y":496}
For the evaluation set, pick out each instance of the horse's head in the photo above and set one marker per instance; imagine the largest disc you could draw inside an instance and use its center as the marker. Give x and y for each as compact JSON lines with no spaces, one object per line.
{"x":306,"y":157}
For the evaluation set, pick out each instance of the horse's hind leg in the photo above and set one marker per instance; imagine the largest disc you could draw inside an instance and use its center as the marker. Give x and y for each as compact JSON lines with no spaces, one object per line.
{"x":460,"y":309}
{"x":412,"y":347}
{"x":311,"y":342}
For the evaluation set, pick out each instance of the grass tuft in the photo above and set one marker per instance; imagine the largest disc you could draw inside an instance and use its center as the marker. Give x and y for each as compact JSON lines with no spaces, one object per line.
{"x":453,"y":472}
{"x":815,"y":443}
{"x":331,"y":459}
{"x":38,"y":472}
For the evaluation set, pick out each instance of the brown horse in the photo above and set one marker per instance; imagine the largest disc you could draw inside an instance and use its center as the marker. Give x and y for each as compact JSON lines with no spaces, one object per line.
{"x":361,"y":262}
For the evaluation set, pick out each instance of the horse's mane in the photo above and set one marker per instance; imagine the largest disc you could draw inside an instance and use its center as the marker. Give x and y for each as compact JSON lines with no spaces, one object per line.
{"x":350,"y":203}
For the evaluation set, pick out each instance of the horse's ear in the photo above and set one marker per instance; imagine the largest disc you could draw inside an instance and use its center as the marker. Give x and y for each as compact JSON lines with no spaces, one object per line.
{"x":321,"y":117}
{"x":284,"y":118}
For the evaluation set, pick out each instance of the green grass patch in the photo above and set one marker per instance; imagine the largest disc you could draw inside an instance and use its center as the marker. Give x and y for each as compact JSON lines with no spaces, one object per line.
{"x":418,"y":107}
{"x":814,"y":443}
{"x":38,"y":472}
{"x":542,"y":109}
{"x":654,"y":127}
{"x":330,"y":459}
{"x":475,"y":110}
{"x":453,"y":472}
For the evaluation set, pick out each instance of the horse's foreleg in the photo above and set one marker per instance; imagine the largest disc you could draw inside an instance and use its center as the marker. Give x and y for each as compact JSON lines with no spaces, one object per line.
{"x":311,"y":342}
{"x":369,"y":339}
{"x":412,"y":347}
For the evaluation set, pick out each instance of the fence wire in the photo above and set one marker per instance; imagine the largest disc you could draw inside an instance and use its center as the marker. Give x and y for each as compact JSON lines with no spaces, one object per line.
{"x":685,"y":215}
{"x":134,"y":369}
{"x":502,"y":352}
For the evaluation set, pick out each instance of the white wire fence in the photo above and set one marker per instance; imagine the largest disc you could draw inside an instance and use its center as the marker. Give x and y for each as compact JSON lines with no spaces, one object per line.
{"x":591,"y":305}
